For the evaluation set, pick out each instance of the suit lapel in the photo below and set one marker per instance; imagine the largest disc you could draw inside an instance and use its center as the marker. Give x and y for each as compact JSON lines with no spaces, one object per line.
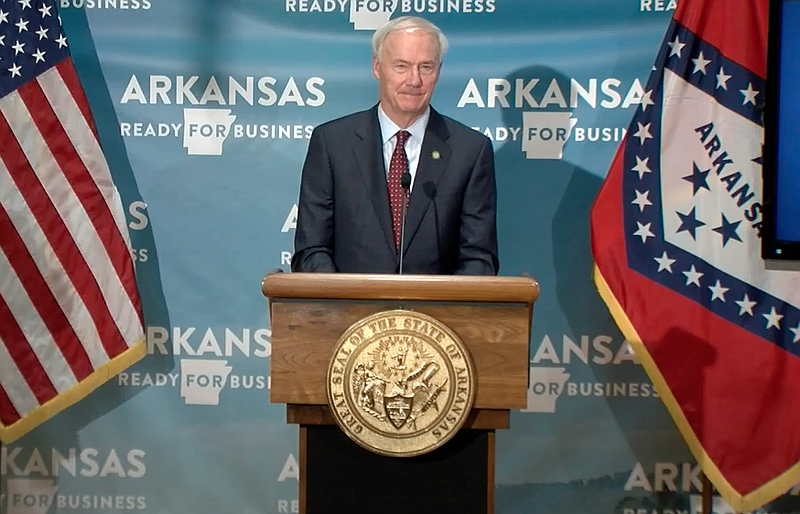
{"x":433,"y":159}
{"x":368,"y":153}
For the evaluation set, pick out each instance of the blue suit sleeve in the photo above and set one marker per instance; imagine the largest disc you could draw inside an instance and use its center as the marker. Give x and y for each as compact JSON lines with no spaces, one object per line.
{"x":313,"y":238}
{"x":478,"y":233}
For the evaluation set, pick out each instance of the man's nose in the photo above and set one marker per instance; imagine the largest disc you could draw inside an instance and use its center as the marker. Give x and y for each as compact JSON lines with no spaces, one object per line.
{"x":414,"y":77}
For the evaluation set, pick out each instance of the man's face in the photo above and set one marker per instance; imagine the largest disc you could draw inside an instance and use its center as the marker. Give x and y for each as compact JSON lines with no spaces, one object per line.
{"x":407,"y":69}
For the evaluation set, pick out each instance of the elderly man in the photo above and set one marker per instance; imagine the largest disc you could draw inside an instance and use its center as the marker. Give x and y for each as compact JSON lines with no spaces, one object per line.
{"x":365,"y":172}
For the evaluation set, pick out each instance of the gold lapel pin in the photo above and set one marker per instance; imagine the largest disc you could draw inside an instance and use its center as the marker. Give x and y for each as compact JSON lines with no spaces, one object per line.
{"x":435,"y":155}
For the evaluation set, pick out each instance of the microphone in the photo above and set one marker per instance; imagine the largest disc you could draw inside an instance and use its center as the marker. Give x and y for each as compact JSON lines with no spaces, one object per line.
{"x":405,"y":181}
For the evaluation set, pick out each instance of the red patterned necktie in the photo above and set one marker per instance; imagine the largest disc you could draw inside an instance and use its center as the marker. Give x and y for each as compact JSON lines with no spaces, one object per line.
{"x":397,"y":166}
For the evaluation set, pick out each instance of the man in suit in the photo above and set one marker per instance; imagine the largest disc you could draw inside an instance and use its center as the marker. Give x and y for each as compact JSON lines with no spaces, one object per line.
{"x":359,"y":168}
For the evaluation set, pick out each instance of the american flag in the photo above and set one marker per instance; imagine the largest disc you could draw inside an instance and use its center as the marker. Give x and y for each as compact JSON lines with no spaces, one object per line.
{"x":70,"y":313}
{"x":675,"y":237}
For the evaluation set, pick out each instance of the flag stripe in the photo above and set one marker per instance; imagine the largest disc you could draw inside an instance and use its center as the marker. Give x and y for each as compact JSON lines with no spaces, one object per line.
{"x":87,"y":267}
{"x":50,"y":268}
{"x":67,"y":108}
{"x":57,"y":234}
{"x":16,"y":354}
{"x":722,"y":24}
{"x":69,"y":79}
{"x":127,"y":311}
{"x":8,"y":413}
{"x":49,"y":334}
{"x":61,"y":87}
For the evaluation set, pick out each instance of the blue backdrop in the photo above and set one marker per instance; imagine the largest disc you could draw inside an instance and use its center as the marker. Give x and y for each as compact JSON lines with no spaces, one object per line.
{"x":204,"y":108}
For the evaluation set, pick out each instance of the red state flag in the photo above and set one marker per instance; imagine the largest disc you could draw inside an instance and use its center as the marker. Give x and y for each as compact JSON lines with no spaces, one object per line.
{"x":675,"y":239}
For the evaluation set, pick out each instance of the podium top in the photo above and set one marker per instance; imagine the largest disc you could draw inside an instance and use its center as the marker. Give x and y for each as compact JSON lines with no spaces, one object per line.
{"x":357,"y":286}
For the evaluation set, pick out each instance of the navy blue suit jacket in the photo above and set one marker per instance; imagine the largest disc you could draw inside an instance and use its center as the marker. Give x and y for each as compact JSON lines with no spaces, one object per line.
{"x":344,"y":220}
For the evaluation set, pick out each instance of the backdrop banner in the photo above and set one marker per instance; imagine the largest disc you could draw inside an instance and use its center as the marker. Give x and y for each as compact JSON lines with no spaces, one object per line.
{"x":204,"y":109}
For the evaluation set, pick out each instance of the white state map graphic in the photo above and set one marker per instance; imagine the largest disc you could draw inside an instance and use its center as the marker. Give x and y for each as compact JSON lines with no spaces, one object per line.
{"x":545,"y":385}
{"x":30,"y":496}
{"x":202,"y":380}
{"x":544,"y":134}
{"x":205,"y":130}
{"x":685,"y":109}
{"x":371,"y":14}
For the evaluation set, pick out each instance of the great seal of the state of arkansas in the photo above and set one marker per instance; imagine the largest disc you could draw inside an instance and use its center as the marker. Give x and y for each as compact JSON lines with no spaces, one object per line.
{"x":400,"y":383}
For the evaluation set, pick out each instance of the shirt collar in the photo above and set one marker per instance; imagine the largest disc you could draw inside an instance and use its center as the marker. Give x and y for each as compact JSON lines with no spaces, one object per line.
{"x":416,"y":129}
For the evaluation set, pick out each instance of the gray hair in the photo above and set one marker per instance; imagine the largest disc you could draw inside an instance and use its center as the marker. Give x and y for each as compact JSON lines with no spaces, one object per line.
{"x":408,"y":23}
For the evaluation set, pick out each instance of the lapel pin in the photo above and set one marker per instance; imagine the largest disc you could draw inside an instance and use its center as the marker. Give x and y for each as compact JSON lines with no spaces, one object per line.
{"x":435,"y":155}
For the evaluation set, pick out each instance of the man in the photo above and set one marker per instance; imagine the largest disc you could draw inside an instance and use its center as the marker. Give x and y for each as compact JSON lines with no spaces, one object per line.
{"x":358,"y":167}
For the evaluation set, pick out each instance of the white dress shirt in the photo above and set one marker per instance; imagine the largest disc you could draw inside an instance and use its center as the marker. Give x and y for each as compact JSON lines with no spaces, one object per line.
{"x":413,"y":144}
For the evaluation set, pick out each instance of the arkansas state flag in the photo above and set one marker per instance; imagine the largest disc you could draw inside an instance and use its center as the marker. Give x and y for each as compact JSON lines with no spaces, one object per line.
{"x":675,"y":238}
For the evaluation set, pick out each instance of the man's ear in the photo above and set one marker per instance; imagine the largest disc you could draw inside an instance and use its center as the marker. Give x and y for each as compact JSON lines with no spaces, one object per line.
{"x":375,"y":63}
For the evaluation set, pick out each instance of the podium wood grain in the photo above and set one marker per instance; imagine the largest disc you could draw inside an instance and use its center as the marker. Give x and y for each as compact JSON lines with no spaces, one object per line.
{"x":310,"y":311}
{"x":496,"y":337}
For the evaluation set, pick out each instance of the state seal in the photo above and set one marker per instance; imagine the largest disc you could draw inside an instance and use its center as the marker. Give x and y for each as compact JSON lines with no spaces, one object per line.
{"x":400,"y":383}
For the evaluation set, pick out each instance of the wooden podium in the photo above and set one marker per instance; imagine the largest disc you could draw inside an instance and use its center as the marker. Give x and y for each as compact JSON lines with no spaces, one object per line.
{"x":310,"y":311}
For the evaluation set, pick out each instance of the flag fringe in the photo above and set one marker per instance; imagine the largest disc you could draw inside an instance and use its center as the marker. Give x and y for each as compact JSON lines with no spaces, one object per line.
{"x":740,"y":503}
{"x":74,"y":394}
